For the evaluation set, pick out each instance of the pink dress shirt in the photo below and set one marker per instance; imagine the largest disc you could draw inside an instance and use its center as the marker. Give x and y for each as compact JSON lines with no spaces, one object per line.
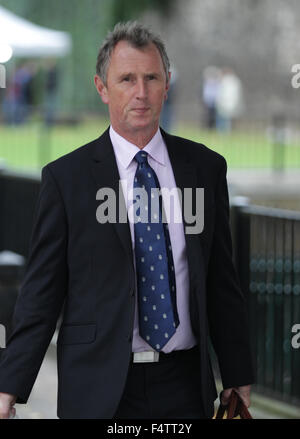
{"x":158,"y":159}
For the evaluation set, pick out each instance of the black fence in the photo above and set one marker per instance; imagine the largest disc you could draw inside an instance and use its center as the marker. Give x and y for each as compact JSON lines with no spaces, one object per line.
{"x":267,"y":254}
{"x":18,"y":197}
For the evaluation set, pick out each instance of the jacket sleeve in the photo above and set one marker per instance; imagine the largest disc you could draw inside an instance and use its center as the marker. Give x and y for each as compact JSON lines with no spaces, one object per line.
{"x":41,"y":295}
{"x":227,"y":311}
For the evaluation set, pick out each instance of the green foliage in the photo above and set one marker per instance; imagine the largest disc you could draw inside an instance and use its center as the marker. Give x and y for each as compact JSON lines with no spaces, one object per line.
{"x":123,"y":10}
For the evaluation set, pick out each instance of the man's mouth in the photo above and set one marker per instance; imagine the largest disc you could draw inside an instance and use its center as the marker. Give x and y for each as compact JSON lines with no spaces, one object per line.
{"x":140,"y":110}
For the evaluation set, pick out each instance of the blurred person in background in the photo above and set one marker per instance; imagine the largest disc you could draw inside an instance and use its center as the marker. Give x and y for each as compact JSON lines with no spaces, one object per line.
{"x":210,"y":92}
{"x":51,"y":91}
{"x":141,"y":298}
{"x":229,"y":102}
{"x":19,"y":98}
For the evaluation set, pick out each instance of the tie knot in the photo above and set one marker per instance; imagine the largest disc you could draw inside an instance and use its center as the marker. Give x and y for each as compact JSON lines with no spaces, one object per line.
{"x":141,"y":157}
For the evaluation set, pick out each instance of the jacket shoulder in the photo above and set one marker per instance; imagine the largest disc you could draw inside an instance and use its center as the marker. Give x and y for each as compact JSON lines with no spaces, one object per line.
{"x":78,"y":159}
{"x":198,"y":152}
{"x":73,"y":157}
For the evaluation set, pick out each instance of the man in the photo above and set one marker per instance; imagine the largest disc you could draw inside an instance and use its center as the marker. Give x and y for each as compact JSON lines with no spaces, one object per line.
{"x":116,"y":277}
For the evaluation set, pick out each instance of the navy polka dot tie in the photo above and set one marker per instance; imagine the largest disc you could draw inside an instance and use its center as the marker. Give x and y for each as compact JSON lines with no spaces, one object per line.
{"x":158,"y":317}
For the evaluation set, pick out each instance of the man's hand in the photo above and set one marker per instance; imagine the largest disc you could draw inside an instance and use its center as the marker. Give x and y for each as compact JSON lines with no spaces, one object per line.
{"x":7,"y":402}
{"x":243,"y":391}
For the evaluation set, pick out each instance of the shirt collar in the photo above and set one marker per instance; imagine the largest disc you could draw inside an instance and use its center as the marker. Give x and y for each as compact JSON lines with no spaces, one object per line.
{"x":125,"y":151}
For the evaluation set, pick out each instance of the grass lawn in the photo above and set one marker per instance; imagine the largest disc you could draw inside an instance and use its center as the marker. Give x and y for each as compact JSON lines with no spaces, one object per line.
{"x":31,"y":146}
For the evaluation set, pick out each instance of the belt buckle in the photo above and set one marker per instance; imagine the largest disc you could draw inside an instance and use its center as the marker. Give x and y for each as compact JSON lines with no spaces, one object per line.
{"x":146,"y":357}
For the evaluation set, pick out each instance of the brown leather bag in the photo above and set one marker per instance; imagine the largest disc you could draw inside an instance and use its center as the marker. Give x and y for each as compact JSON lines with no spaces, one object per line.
{"x":234,"y":408}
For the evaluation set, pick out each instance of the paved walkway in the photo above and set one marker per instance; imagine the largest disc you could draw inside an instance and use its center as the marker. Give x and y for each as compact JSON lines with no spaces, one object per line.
{"x":42,"y":401}
{"x":270,"y":188}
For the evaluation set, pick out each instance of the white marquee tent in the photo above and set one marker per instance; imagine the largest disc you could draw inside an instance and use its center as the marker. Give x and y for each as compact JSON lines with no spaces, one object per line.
{"x":30,"y":40}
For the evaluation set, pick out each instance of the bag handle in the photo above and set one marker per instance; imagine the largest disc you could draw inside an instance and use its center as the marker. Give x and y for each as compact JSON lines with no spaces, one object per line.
{"x":234,"y":408}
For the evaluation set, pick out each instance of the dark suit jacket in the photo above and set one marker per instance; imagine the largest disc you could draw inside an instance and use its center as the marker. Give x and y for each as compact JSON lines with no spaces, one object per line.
{"x":87,"y":266}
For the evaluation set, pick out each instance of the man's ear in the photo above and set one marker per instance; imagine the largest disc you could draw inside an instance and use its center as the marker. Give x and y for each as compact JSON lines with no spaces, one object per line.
{"x":167,"y":86}
{"x":101,"y":89}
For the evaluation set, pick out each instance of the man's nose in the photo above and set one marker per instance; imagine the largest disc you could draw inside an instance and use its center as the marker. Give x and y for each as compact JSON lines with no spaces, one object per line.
{"x":141,"y":89}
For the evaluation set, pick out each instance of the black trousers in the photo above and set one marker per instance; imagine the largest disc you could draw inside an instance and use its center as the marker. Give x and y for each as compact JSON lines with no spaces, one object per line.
{"x":169,"y":388}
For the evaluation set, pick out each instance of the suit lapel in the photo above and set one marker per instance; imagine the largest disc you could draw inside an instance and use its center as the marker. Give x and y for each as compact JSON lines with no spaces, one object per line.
{"x":186,"y":177}
{"x":105,"y":173}
{"x":183,"y":168}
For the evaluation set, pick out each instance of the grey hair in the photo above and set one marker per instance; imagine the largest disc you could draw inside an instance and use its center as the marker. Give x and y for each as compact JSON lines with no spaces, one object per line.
{"x":137,"y":35}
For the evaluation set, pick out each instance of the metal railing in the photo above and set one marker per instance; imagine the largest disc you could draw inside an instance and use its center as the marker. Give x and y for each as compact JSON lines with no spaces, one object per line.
{"x":267,"y":254}
{"x":18,"y":197}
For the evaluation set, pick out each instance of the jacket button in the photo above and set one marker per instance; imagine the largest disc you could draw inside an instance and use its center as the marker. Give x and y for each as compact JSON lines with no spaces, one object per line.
{"x":132,"y":292}
{"x":129,"y":338}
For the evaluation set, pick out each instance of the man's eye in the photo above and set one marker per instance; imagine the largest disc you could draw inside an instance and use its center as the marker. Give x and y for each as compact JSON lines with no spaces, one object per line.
{"x":126,"y":78}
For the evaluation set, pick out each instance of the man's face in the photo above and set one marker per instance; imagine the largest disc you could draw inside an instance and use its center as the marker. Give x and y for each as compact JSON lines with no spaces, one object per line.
{"x":135,"y":89}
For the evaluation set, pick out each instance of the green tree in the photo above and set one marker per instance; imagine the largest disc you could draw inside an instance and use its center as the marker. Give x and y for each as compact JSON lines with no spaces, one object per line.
{"x":124,"y":10}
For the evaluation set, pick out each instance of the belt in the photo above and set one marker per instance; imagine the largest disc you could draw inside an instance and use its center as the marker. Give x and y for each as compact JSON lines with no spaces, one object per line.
{"x":158,"y":357}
